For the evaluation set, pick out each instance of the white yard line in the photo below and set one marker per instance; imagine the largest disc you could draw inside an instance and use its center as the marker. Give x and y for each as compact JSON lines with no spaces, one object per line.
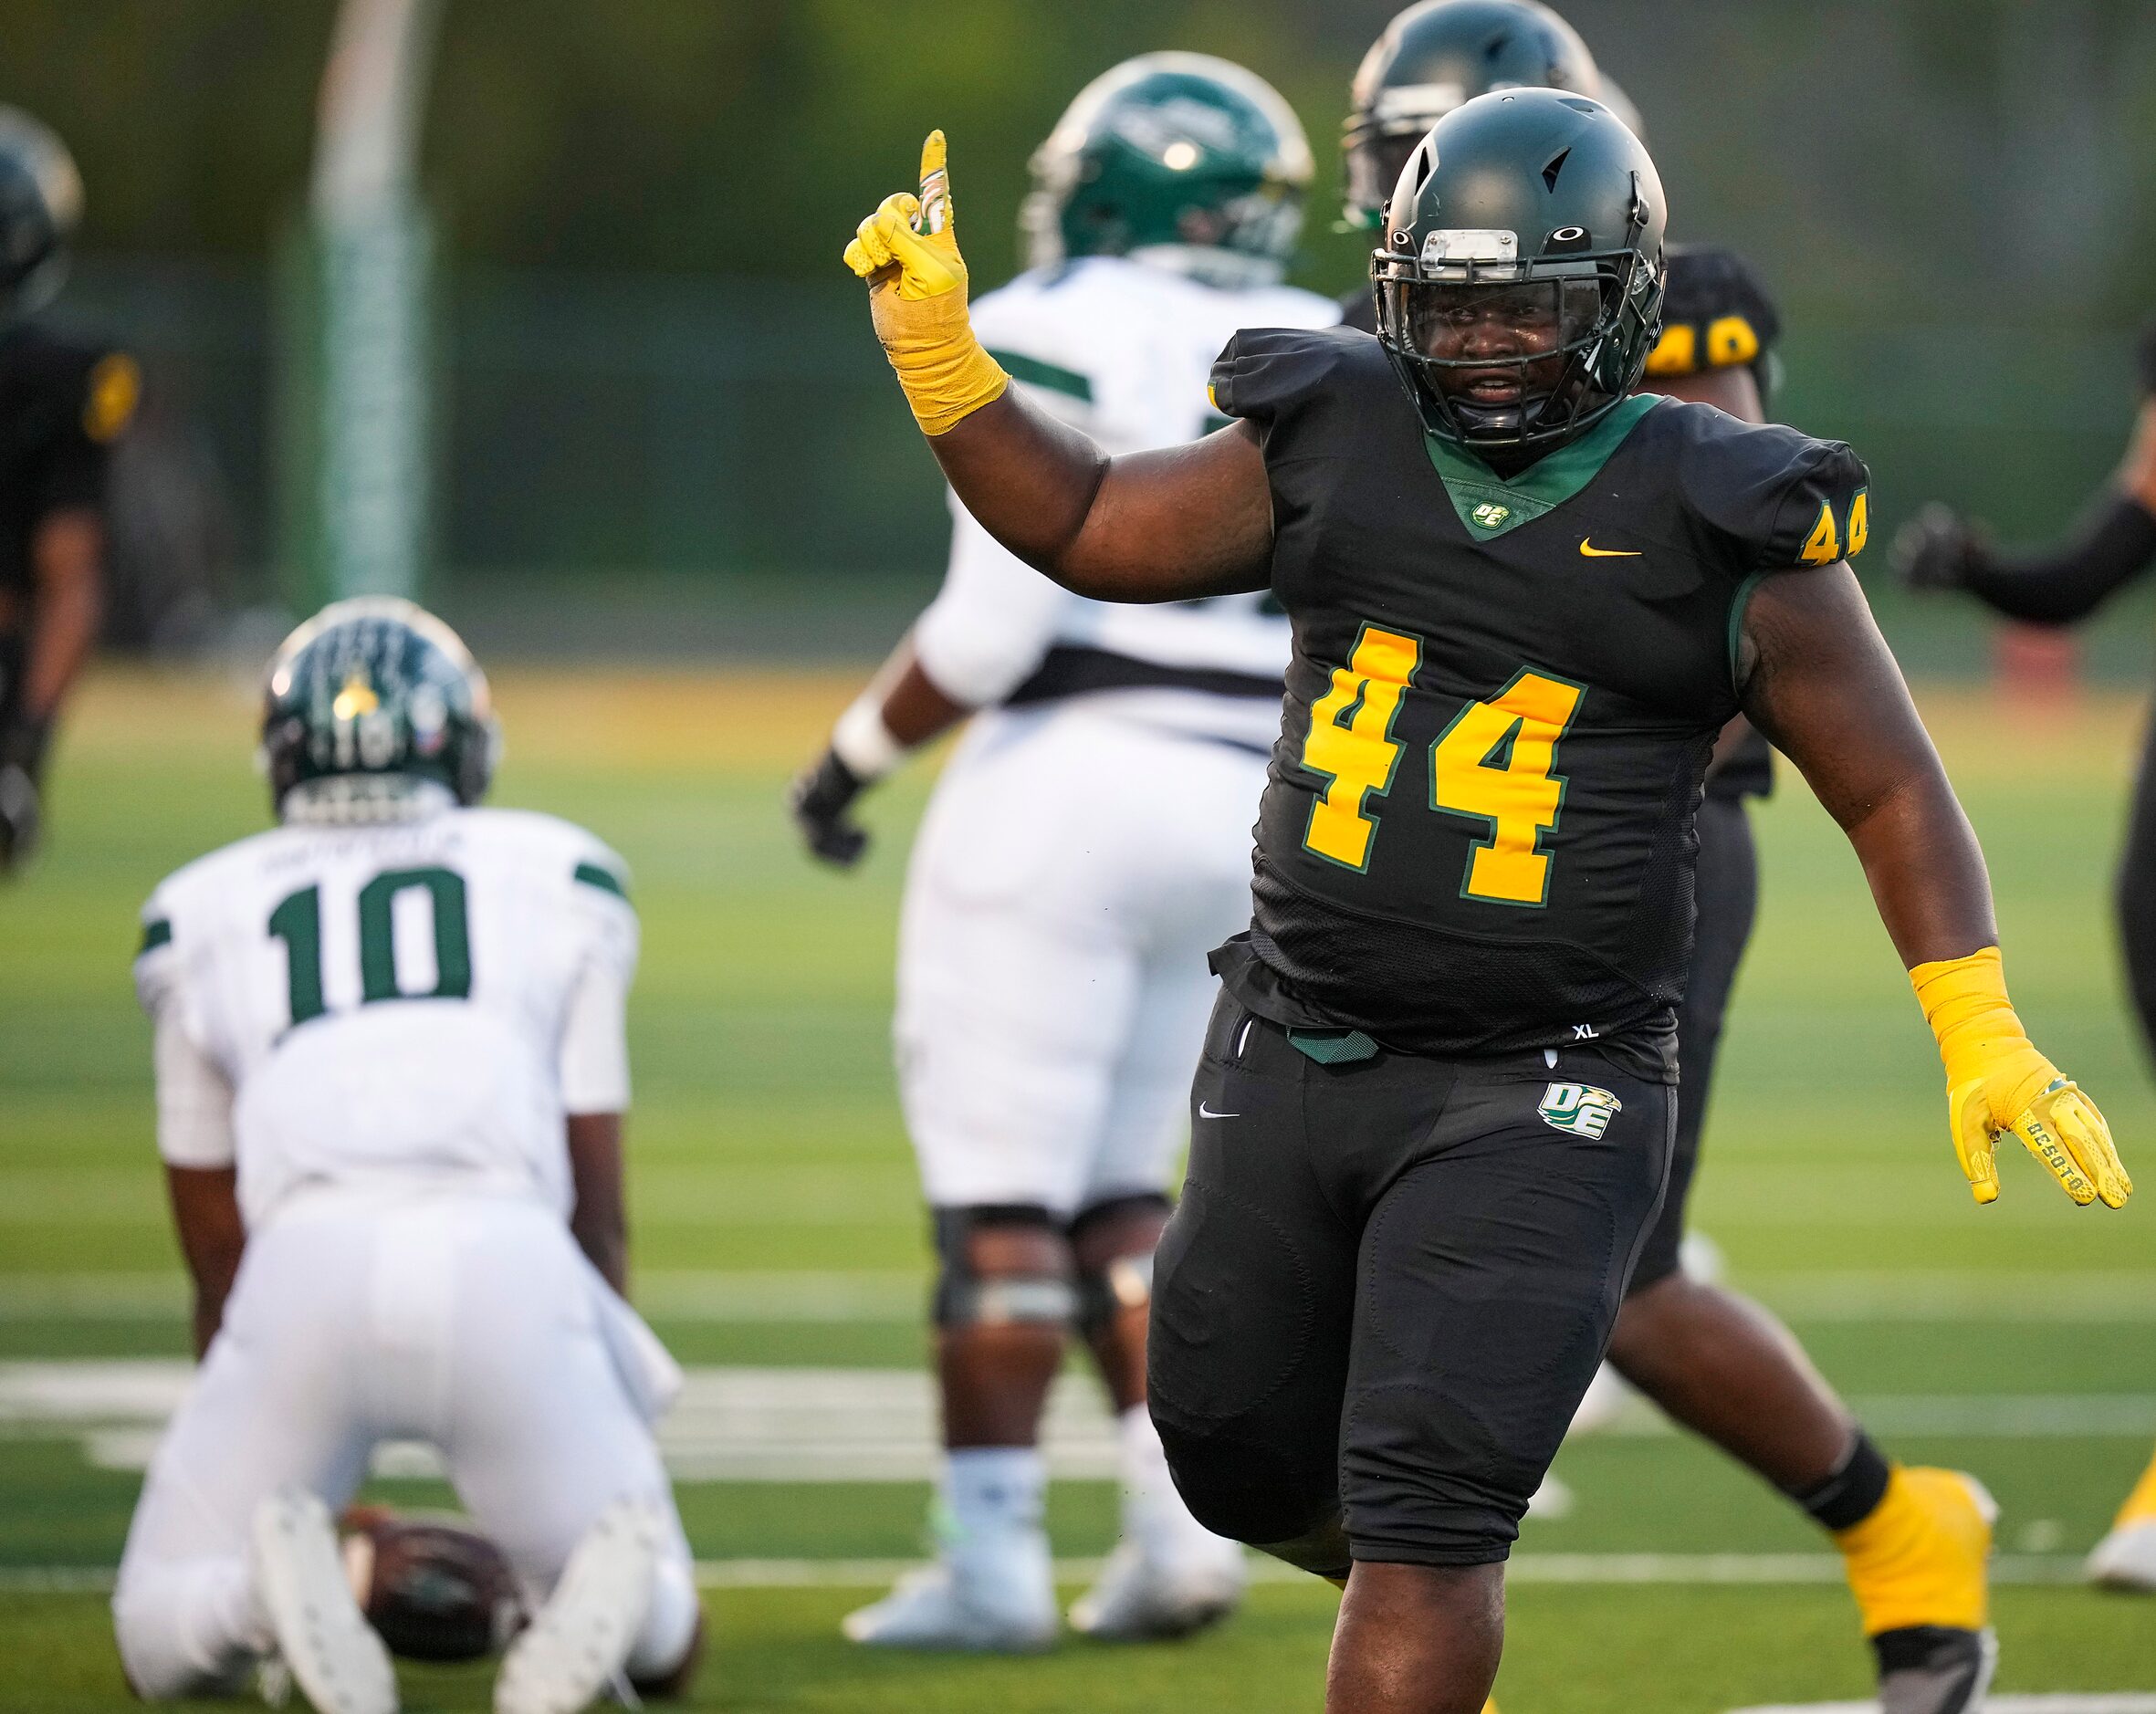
{"x":787,"y":1424}
{"x":2071,"y":1702}
{"x":717,"y":1296}
{"x":1763,"y":1571}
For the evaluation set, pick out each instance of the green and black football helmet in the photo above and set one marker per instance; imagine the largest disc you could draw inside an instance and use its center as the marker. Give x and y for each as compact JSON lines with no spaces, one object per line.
{"x":41,"y":205}
{"x":374,"y":710}
{"x":1181,"y":159}
{"x":1438,"y":55}
{"x":1518,"y":287}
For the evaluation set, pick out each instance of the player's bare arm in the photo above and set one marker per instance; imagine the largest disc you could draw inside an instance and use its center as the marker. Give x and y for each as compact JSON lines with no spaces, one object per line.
{"x":206,"y":1211}
{"x":901,"y":709}
{"x":600,"y":1219}
{"x":1173,"y":525}
{"x":1818,"y":679}
{"x":66,"y":560}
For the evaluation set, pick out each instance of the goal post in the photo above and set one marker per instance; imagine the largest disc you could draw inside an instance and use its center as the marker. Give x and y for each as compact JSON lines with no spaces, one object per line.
{"x":355,"y":335}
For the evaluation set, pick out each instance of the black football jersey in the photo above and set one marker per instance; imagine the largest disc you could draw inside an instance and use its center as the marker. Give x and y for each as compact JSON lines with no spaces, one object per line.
{"x":1715,"y":312}
{"x":1477,"y":834}
{"x":63,"y":403}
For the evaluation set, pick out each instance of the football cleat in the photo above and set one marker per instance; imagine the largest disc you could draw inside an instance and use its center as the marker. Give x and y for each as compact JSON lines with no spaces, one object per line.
{"x":1140,"y":1596}
{"x":2126,"y":1559}
{"x":1917,"y":1568}
{"x":339,"y":1664}
{"x":1934,"y":1669}
{"x":574,"y":1647}
{"x":1006,"y":1606}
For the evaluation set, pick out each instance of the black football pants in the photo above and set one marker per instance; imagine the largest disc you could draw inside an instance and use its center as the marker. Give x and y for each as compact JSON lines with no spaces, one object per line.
{"x":1728,"y":896}
{"x":1387,"y":1284}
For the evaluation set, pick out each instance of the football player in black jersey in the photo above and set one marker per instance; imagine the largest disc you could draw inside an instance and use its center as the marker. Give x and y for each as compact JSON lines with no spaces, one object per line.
{"x":2114,"y":544}
{"x":63,"y":403}
{"x":1434,"y":1116}
{"x":1716,"y":1362}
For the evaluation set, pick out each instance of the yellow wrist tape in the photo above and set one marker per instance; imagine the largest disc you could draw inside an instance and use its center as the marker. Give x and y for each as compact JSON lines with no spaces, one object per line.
{"x":946,"y":373}
{"x":1964,"y":1001}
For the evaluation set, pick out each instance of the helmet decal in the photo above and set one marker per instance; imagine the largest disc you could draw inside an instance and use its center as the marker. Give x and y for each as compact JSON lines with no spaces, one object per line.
{"x":367,"y":703}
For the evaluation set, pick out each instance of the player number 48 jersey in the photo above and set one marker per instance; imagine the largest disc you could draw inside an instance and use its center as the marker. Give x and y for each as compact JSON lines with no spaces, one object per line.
{"x":391,"y":1003}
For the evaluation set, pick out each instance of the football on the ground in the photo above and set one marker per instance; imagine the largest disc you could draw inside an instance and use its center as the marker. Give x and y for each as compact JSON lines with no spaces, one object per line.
{"x":432,"y":1588}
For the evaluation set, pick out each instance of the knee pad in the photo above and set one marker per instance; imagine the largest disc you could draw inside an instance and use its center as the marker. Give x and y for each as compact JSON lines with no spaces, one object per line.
{"x":1241,"y":1485}
{"x":1126,"y":1282}
{"x":964,"y":1298}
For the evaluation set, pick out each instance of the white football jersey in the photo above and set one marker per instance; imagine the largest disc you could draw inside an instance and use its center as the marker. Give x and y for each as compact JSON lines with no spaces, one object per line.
{"x":1120,"y":349}
{"x":390,"y":1004}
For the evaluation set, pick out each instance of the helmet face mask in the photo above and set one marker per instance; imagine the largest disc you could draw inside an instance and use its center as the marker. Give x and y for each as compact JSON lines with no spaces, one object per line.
{"x":1180,"y":160}
{"x":1499,"y":356}
{"x":374,"y":710}
{"x":1518,"y":287}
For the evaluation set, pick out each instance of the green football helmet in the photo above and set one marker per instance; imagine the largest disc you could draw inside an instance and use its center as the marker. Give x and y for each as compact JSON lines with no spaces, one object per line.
{"x":374,"y":710}
{"x":1519,"y":284}
{"x":1433,"y":57}
{"x":1178,"y":158}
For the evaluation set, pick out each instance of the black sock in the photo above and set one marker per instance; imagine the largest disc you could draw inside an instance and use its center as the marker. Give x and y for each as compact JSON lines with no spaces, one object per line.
{"x":1853,"y":1492}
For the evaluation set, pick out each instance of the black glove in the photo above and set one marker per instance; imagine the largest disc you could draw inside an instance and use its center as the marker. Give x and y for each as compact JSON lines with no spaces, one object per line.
{"x":22,"y":767}
{"x":819,"y":799}
{"x":1936,"y":549}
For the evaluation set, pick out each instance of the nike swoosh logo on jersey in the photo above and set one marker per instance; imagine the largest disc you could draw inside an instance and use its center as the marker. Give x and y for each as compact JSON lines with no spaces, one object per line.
{"x":1205,"y":1112}
{"x":1593,"y":552}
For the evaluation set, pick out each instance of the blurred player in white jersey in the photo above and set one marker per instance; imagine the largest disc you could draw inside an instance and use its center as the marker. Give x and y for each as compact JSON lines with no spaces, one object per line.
{"x":390,"y":1071}
{"x":1087,"y":845}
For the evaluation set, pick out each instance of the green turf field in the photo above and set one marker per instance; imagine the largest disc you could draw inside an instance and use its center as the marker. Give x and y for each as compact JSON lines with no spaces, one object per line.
{"x":778,"y":1239}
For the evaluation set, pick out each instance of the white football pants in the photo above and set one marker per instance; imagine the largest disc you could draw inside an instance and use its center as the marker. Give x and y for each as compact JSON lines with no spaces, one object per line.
{"x":473,"y":1323}
{"x":1072,"y":872}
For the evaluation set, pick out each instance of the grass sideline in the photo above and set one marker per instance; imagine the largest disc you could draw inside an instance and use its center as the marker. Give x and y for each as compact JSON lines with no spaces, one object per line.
{"x":767,"y":1147}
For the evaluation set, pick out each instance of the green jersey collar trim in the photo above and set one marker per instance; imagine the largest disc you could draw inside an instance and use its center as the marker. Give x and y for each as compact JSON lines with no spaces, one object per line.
{"x":1490,"y":505}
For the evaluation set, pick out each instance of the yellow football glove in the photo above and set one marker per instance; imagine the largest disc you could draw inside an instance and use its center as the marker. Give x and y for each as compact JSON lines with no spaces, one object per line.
{"x":1997,"y":1083}
{"x":907,"y":251}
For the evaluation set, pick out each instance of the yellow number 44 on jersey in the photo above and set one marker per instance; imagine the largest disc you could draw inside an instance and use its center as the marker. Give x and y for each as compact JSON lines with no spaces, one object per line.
{"x":1351,"y":743}
{"x":1494,"y":762}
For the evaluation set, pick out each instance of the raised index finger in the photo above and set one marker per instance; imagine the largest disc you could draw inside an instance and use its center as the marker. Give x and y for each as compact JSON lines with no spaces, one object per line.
{"x":936,"y":186}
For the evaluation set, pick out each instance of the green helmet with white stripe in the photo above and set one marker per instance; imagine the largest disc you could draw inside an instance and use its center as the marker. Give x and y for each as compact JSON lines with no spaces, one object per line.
{"x":374,"y":710}
{"x":1180,"y":160}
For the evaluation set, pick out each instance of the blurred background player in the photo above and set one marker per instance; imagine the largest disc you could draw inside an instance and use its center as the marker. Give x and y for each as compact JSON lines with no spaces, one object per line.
{"x":391,"y":1074}
{"x":2114,"y":544}
{"x":63,"y":401}
{"x":1087,"y":845}
{"x":1914,"y":1541}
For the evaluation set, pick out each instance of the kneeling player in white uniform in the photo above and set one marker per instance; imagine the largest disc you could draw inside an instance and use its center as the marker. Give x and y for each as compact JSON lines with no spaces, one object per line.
{"x":1088,"y":844}
{"x":390,"y":1070}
